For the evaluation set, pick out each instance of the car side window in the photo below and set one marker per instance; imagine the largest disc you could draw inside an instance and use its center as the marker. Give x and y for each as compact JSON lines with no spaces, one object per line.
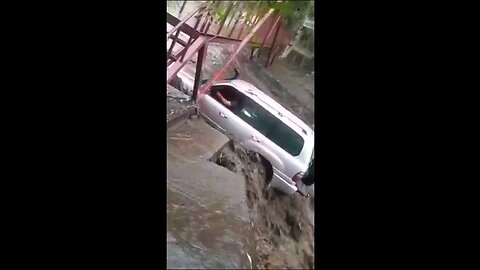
{"x":255,"y":116}
{"x":270,"y":126}
{"x":224,"y":94}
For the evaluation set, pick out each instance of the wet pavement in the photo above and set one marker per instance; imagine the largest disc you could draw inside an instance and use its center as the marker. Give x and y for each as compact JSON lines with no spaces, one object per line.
{"x":207,"y":218}
{"x":177,"y":103}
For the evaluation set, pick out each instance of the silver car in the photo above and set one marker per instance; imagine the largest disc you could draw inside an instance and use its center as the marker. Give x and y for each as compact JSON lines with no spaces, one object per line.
{"x":245,"y":113}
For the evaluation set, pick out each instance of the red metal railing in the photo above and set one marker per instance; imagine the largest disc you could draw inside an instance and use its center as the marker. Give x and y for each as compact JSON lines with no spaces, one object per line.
{"x":200,"y":29}
{"x":195,"y":39}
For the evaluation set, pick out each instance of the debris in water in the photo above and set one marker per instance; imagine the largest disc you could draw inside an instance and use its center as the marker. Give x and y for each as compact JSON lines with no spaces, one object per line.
{"x":181,"y":139}
{"x":249,"y":260}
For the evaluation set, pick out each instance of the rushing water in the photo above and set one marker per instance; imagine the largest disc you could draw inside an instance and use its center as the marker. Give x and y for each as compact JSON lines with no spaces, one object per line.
{"x":283,"y":225}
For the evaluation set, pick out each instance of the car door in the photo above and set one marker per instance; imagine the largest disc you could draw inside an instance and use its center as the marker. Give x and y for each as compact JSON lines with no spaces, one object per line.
{"x":286,"y":144}
{"x":216,"y":113}
{"x":251,"y":123}
{"x":270,"y":128}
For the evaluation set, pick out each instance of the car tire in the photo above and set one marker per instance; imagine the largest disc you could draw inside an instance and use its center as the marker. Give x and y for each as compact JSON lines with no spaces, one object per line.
{"x":268,"y":169}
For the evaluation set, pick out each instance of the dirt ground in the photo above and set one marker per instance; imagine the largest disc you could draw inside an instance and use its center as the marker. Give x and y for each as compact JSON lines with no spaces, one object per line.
{"x":283,"y":225}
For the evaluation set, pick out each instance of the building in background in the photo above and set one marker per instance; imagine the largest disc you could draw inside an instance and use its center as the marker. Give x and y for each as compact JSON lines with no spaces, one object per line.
{"x":300,"y":51}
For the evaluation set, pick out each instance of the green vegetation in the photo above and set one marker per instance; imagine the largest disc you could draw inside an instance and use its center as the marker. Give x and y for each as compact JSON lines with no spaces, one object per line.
{"x":293,"y":12}
{"x":248,"y":12}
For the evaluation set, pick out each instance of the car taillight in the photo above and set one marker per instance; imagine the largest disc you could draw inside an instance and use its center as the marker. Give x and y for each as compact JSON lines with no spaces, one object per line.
{"x":298,"y":177}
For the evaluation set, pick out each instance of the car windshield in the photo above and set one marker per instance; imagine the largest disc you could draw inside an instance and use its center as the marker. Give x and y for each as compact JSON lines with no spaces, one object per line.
{"x":270,"y":126}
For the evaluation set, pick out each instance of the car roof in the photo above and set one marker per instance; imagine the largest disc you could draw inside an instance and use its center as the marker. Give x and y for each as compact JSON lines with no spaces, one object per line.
{"x":257,"y":94}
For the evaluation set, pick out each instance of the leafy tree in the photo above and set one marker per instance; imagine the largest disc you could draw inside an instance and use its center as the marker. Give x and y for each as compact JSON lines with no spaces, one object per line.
{"x":293,"y":12}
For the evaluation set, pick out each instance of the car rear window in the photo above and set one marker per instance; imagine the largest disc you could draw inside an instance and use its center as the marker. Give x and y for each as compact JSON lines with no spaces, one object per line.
{"x":270,"y":126}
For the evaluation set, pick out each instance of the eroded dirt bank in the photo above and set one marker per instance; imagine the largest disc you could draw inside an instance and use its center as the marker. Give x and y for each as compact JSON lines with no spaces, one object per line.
{"x":283,"y":225}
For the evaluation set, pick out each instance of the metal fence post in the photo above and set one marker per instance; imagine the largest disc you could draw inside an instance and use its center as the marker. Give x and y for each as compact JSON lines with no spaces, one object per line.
{"x":273,"y":44}
{"x":198,"y":71}
{"x":181,"y":9}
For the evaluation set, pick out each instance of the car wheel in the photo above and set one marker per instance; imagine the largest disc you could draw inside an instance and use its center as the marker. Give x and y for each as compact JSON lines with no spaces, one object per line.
{"x":268,"y":173}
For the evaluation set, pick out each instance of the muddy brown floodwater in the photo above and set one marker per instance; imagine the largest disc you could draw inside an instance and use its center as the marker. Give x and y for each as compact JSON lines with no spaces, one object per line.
{"x":283,"y":225}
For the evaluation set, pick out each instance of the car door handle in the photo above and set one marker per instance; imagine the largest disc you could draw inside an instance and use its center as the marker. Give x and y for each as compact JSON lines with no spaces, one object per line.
{"x":223,"y":115}
{"x":254,"y":138}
